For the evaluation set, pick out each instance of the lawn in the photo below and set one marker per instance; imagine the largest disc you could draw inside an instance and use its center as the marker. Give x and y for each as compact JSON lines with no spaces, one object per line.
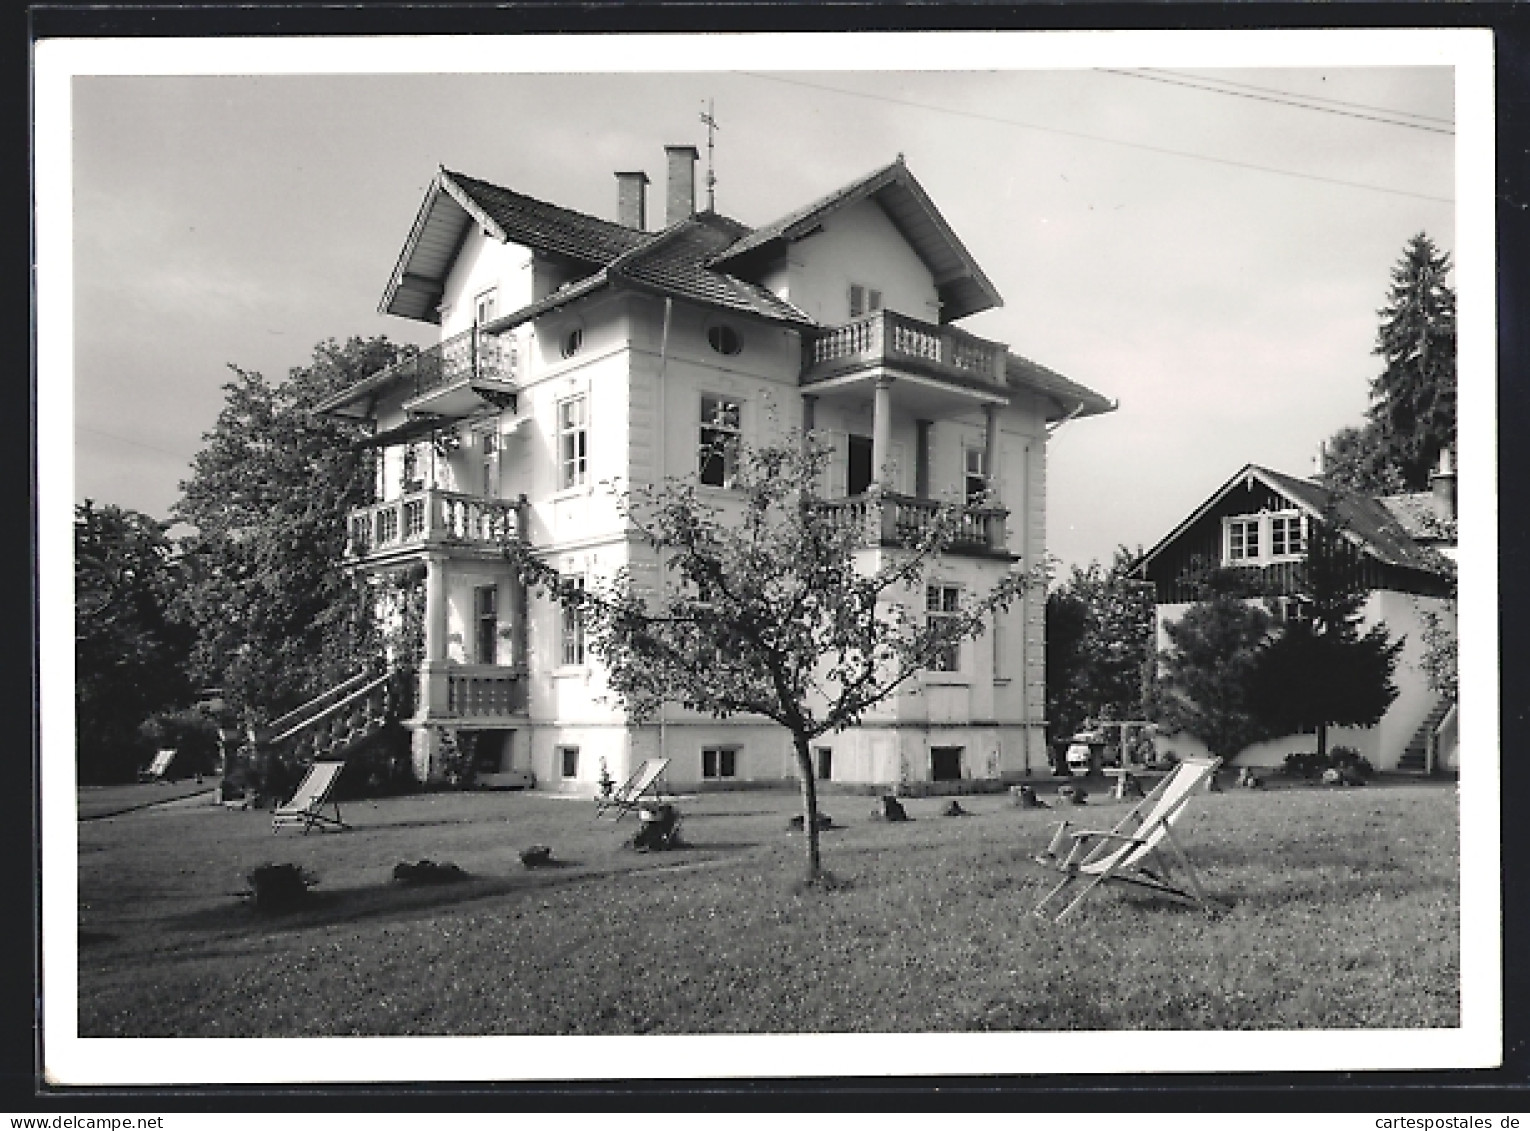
{"x":1341,"y":911}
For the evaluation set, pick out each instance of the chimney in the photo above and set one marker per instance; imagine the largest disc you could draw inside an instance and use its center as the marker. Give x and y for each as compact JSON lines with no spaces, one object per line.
{"x":680,"y":195}
{"x":632,"y":200}
{"x":1442,"y":482}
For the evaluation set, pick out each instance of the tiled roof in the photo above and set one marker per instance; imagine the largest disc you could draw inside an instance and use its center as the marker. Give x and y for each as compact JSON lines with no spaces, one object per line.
{"x":1028,"y":374}
{"x":1367,"y":518}
{"x":675,"y":263}
{"x":548,"y":227}
{"x":1420,"y":513}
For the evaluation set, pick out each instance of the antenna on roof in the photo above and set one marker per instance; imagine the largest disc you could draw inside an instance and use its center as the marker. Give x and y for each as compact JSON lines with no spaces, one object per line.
{"x":710,"y":122}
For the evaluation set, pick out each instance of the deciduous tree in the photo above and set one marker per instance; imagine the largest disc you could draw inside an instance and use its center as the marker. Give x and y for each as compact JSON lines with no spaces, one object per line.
{"x":765,"y":604}
{"x":276,"y":616}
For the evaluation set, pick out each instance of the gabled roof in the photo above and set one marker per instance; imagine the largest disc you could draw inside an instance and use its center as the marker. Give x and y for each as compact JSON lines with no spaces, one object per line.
{"x":454,"y":203}
{"x":1072,"y":399}
{"x":673,"y":263}
{"x":959,"y":281}
{"x":1366,"y":521}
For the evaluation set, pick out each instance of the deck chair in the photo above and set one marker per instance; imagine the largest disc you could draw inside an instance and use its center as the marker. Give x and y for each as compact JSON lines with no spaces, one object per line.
{"x":159,"y":767}
{"x":624,"y":798}
{"x":307,"y":803}
{"x":1132,"y":851}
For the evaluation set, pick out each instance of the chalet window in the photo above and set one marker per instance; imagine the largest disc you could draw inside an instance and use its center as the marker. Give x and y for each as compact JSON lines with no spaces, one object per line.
{"x":568,"y":761}
{"x":941,"y":602}
{"x":573,"y":442}
{"x":976,"y":474}
{"x":485,"y":306}
{"x":573,"y":631}
{"x":721,"y":430}
{"x":863,"y":300}
{"x":485,"y":622}
{"x":1261,"y":539}
{"x":719,"y":762}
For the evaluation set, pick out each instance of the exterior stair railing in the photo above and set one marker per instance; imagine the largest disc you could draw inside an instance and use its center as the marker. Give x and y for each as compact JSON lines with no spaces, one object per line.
{"x":332,"y":724}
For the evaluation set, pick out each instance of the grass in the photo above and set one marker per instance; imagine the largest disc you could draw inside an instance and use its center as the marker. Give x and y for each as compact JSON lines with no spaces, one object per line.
{"x":1341,"y":912}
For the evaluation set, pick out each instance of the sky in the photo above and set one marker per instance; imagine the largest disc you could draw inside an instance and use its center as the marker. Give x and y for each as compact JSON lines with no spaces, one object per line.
{"x":1213,"y":259}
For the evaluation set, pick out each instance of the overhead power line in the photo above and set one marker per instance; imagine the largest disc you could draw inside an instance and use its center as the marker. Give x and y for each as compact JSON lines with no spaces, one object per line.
{"x":1311,"y":97}
{"x":1149,"y":76}
{"x":1185,"y":153}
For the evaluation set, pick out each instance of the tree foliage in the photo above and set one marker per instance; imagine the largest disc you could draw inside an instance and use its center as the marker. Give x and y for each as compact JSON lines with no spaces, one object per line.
{"x":1321,"y":670}
{"x":764,"y":604}
{"x":129,"y":653}
{"x":1412,"y":414}
{"x":1206,"y":673}
{"x":276,"y":617}
{"x":1099,"y":639}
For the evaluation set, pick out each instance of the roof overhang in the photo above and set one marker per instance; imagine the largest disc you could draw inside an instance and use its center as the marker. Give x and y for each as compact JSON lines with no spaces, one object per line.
{"x":960,"y":283}
{"x":1069,"y":399}
{"x":409,"y":430}
{"x":445,"y":217}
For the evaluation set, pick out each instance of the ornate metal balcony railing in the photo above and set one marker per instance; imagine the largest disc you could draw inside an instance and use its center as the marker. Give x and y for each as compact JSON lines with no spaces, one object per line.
{"x":472,"y":354}
{"x":890,"y":519}
{"x":431,"y":517}
{"x":895,"y":341}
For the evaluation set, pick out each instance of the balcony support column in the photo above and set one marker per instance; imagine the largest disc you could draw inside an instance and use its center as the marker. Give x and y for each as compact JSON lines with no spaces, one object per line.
{"x":991,"y":453}
{"x":881,"y":431}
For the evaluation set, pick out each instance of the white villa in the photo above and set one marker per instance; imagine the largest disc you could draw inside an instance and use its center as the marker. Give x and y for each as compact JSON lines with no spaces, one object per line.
{"x":577,"y":351}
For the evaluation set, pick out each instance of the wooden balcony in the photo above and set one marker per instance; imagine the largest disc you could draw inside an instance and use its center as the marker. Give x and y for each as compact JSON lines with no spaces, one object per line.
{"x":431,"y":519}
{"x":889,"y":519}
{"x":895,"y":342}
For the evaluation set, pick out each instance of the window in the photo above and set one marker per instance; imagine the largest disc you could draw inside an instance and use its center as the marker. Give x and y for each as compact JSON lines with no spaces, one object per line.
{"x":1000,"y":650}
{"x":573,"y":443}
{"x":1258,"y":539}
{"x":490,"y":443}
{"x":568,"y":761}
{"x":975,"y":462}
{"x":825,"y":763}
{"x":485,"y":306}
{"x":571,"y":342}
{"x":413,"y":477}
{"x":573,"y":631}
{"x":719,"y":762}
{"x":863,"y":300}
{"x":485,"y":622}
{"x":721,"y":428}
{"x":942,"y":602}
{"x":1286,"y":538}
{"x":857,"y":465}
{"x":946,"y":763}
{"x":725,"y":340}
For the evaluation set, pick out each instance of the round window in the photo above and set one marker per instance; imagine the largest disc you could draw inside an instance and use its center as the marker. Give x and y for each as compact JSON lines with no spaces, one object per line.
{"x":572,"y":341}
{"x":725,"y":340}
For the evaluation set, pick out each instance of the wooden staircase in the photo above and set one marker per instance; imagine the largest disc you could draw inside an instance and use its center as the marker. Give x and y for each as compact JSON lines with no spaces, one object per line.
{"x":333,"y":724}
{"x":1415,"y":756}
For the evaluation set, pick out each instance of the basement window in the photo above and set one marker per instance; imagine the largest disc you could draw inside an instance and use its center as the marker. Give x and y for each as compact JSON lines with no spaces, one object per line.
{"x":719,"y":762}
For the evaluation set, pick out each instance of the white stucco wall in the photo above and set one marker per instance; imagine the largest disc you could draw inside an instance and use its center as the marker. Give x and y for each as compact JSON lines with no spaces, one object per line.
{"x":857,"y":245}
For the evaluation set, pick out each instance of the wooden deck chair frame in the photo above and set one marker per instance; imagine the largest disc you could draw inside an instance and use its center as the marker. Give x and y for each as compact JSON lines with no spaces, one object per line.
{"x":625,"y":798}
{"x":306,"y":806}
{"x":158,"y":768}
{"x":1132,"y":852}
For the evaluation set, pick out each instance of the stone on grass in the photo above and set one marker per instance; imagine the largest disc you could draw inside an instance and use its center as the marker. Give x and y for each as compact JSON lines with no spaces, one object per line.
{"x":1026,"y":798}
{"x":824,"y":822}
{"x":891,"y":809}
{"x":953,"y":809}
{"x":279,"y":887}
{"x":536,"y":856}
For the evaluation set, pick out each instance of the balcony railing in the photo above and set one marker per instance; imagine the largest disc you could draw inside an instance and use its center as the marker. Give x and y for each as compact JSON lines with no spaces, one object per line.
{"x":470,"y":355}
{"x":890,"y":519}
{"x":483,"y":690}
{"x":431,"y":517}
{"x":895,"y":341}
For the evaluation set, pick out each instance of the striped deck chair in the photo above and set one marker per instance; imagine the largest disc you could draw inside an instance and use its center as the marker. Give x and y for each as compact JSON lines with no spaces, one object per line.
{"x":307,"y":803}
{"x":159,"y":767}
{"x":630,"y":792}
{"x":1132,"y":851}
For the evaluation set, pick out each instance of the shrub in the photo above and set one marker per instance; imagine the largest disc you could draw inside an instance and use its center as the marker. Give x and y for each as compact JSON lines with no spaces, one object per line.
{"x":279,"y":887}
{"x":1351,"y":761}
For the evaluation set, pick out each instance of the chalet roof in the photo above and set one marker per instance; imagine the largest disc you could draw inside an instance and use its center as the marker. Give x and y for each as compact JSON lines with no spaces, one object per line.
{"x":1366,"y":520}
{"x":455,"y":202}
{"x":959,"y":281}
{"x":673,"y":262}
{"x":1073,"y":400}
{"x":1421,"y":513}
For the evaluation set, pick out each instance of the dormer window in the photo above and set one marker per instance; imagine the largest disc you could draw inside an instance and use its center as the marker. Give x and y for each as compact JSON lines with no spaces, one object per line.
{"x":1264,"y":538}
{"x":864,"y":299}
